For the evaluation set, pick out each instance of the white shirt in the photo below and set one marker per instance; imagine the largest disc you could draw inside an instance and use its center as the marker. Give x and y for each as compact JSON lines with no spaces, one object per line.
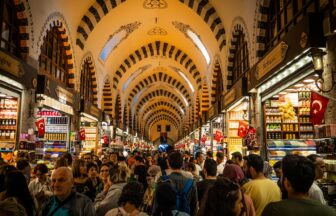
{"x":220,"y":168}
{"x":120,"y":210}
{"x":315,"y":193}
{"x":35,"y":186}
{"x":198,"y":169}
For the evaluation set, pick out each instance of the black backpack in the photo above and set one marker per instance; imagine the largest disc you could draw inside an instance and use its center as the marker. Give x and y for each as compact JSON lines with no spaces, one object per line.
{"x":182,"y":203}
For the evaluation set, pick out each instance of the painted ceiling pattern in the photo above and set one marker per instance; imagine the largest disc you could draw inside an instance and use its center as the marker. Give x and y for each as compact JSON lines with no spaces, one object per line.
{"x":149,"y":60}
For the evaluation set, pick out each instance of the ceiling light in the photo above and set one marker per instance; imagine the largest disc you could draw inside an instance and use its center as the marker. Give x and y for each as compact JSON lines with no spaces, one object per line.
{"x":3,"y":95}
{"x":282,"y":93}
{"x":276,"y":96}
{"x":299,"y":85}
{"x":290,"y":90}
{"x":308,"y":80}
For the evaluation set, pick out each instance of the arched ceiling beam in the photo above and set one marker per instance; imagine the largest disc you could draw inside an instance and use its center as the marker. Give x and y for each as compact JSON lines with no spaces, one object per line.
{"x":164,"y":117}
{"x":157,"y":79}
{"x":159,"y":93}
{"x":160,"y":106}
{"x":160,"y":111}
{"x":100,"y":8}
{"x":158,"y":48}
{"x":161,"y":101}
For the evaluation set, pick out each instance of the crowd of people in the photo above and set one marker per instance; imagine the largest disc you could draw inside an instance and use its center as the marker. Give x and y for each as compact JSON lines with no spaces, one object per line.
{"x":163,"y":183}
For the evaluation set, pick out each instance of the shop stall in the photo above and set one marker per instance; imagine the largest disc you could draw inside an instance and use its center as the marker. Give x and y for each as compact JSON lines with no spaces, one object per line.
{"x":236,"y":108}
{"x":16,"y":80}
{"x":89,"y":124}
{"x":216,"y":129}
{"x":56,"y":105}
{"x":285,"y":83}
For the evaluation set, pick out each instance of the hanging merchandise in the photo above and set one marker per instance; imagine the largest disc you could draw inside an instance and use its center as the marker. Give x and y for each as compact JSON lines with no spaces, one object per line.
{"x":251,"y":139}
{"x":218,"y":136}
{"x":82,"y":134}
{"x":318,"y":106}
{"x":242,"y":129}
{"x":203,"y":139}
{"x":40,"y":124}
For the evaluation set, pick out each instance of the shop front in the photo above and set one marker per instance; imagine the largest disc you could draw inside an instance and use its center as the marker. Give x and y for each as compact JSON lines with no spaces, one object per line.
{"x":216,"y":129}
{"x":205,"y":134}
{"x":16,"y":81}
{"x":56,"y":106}
{"x":289,"y":98}
{"x":236,"y":107}
{"x":89,"y":125}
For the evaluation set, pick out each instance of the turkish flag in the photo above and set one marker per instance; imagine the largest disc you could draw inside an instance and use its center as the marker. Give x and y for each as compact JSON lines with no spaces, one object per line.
{"x":203,"y":139}
{"x":243,"y":129}
{"x":40,"y":127}
{"x":82,"y":134}
{"x":218,"y":136}
{"x":318,"y":106}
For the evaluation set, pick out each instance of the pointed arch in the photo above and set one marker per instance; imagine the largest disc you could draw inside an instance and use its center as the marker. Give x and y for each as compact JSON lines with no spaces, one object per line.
{"x":217,"y":83}
{"x":88,"y":69}
{"x":205,"y":97}
{"x":107,"y":105}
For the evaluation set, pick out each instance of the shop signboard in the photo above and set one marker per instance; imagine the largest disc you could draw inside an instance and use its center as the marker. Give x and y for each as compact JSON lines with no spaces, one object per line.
{"x":56,"y":90}
{"x":306,"y":34}
{"x":89,"y":108}
{"x":212,"y":112}
{"x":18,"y":70}
{"x":237,"y":91}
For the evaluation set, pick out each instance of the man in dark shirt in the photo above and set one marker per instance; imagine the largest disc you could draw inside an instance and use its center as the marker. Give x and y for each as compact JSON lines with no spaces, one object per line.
{"x":140,"y":171}
{"x":298,"y":175}
{"x":179,"y":180}
{"x":209,"y":171}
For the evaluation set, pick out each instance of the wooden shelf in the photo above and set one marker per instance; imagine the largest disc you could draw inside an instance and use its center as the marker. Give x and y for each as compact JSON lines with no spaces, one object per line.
{"x":274,"y":131}
{"x":291,"y":131}
{"x":306,"y":131}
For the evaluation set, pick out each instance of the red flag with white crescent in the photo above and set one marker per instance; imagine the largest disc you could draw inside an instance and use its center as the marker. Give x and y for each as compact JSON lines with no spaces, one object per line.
{"x":318,"y":106}
{"x":82,"y":134}
{"x":242,"y":129}
{"x":40,"y":127}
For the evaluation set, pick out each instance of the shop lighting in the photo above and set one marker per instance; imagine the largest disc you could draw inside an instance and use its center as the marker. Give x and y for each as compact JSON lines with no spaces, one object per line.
{"x":282,"y":93}
{"x":299,"y":85}
{"x":317,"y":59}
{"x":308,"y":80}
{"x":3,"y":95}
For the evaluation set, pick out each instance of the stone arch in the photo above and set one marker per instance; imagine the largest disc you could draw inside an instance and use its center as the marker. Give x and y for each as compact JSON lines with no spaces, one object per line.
{"x":161,"y":104}
{"x":165,"y":111}
{"x":107,"y":105}
{"x":158,"y":48}
{"x":57,"y":20}
{"x":205,"y":105}
{"x":237,"y":30}
{"x":88,"y":58}
{"x":165,"y":117}
{"x":118,"y":110}
{"x":102,"y":7}
{"x":217,"y":79}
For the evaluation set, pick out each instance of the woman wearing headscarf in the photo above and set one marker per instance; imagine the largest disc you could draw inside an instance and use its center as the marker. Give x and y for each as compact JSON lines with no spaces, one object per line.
{"x":235,"y":174}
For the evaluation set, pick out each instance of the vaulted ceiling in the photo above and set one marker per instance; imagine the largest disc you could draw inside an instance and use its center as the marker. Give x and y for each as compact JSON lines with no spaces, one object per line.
{"x":153,"y":64}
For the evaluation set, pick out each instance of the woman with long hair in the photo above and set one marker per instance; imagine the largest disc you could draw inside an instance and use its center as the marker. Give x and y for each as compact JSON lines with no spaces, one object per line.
{"x":224,"y":198}
{"x":79,"y":170}
{"x":16,"y":187}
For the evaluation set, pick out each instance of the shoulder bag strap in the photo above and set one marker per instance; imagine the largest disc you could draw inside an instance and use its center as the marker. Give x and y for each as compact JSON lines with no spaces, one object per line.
{"x":187,"y":186}
{"x":62,"y":204}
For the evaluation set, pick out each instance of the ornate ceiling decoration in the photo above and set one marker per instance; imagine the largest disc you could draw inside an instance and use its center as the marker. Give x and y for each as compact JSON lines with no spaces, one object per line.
{"x":155,"y":4}
{"x":157,"y":31}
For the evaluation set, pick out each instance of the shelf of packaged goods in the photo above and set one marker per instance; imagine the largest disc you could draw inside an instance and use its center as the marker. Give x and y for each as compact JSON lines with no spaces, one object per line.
{"x":6,"y":150}
{"x":233,"y":128}
{"x":291,"y":131}
{"x":292,"y":148}
{"x":273,"y":114}
{"x":273,"y":122}
{"x":305,"y":123}
{"x":290,"y":123}
{"x":7,"y":140}
{"x":304,"y":115}
{"x":306,"y":131}
{"x":234,"y":137}
{"x":7,"y":127}
{"x":237,"y":120}
{"x":276,"y":131}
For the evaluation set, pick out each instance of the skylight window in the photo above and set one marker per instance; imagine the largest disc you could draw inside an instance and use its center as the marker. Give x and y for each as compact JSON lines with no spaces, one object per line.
{"x":134,"y":75}
{"x":121,"y":34}
{"x":199,"y":44}
{"x":112,"y":43}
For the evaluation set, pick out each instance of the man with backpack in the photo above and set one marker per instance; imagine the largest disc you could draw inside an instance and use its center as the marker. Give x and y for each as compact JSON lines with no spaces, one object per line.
{"x":183,"y":187}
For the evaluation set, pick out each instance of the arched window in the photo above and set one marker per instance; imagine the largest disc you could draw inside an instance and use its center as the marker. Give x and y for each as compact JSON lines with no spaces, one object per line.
{"x":86,"y":89}
{"x":283,"y":15}
{"x":241,"y":56}
{"x":9,"y":28}
{"x":53,"y":59}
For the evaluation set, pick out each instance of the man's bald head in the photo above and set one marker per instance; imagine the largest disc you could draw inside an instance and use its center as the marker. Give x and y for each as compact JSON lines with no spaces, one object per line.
{"x":64,"y":171}
{"x":62,"y":182}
